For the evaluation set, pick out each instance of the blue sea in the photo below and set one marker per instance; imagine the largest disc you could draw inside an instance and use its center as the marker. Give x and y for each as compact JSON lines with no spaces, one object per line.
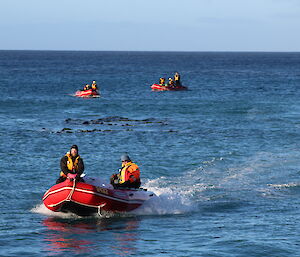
{"x":223,"y":157}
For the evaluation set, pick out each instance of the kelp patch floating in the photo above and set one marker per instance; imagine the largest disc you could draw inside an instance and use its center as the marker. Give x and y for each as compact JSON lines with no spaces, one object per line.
{"x":115,"y":120}
{"x":114,"y":124}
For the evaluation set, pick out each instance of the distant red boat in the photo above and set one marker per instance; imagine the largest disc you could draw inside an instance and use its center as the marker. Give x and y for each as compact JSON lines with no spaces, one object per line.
{"x":87,"y":93}
{"x":92,"y":197}
{"x":158,"y":87}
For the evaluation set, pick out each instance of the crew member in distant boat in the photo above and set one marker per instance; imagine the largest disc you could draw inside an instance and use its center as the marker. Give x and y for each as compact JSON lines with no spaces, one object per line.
{"x":162,"y":81}
{"x":129,"y":174}
{"x":177,"y":80}
{"x":71,"y":163}
{"x":87,"y":87}
{"x":171,"y":82}
{"x":94,"y":86}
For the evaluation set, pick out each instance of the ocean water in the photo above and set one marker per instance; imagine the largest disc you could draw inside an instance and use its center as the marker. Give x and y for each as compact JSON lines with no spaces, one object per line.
{"x":223,"y":157}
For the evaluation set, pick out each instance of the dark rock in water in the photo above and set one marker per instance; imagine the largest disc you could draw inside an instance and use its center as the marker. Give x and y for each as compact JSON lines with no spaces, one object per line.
{"x":66,"y":130}
{"x":89,"y":130}
{"x":115,"y":118}
{"x":117,"y":121}
{"x":112,"y":119}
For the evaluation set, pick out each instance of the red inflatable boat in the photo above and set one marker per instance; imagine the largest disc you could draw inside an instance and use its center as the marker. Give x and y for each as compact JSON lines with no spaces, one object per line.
{"x":87,"y":93}
{"x":158,"y":87}
{"x":93,"y":196}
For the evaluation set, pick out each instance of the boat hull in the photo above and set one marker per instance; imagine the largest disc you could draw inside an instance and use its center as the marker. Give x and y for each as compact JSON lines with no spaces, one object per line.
{"x":92,"y":197}
{"x":158,"y":87}
{"x":87,"y":93}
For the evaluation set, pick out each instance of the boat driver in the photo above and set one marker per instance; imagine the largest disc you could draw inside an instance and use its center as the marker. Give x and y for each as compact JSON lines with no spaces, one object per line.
{"x":71,"y":163}
{"x":177,"y":79}
{"x":129,"y":175}
{"x":94,"y":86}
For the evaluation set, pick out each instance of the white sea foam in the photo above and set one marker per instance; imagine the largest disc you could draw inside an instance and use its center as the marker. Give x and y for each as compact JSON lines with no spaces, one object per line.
{"x":170,"y":198}
{"x":42,"y":209}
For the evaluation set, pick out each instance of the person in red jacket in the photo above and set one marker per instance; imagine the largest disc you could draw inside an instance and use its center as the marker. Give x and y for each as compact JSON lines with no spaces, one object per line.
{"x":71,"y":163}
{"x":129,"y":175}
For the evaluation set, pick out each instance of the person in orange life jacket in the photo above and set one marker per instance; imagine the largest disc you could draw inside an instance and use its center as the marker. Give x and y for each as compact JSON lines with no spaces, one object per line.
{"x":71,"y":163}
{"x":162,"y":81}
{"x":129,"y":175}
{"x":94,"y":86}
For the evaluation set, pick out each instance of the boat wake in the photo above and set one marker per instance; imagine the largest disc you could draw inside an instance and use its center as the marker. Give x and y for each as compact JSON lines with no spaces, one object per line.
{"x":168,"y":200}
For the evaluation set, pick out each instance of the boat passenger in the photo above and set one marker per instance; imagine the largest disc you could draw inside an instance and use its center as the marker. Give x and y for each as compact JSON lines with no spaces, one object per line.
{"x":129,"y":174}
{"x":94,"y":86}
{"x":71,"y":163}
{"x":87,"y":87}
{"x":162,"y":81}
{"x":171,"y":82}
{"x":177,"y":80}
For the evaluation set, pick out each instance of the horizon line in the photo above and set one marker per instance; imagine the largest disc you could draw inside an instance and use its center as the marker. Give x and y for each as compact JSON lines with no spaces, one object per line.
{"x":174,"y":51}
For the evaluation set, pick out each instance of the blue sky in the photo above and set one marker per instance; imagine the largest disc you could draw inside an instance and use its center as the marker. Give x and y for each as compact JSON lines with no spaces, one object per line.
{"x":150,"y":25}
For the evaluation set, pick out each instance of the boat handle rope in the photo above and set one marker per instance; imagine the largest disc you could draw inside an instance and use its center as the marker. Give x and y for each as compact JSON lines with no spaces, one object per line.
{"x":72,"y":191}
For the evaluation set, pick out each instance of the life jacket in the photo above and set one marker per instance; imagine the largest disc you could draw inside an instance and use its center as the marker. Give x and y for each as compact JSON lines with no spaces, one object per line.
{"x":176,"y":77}
{"x":171,"y":82}
{"x":94,"y":86}
{"x":129,"y":169}
{"x":71,"y":166}
{"x":161,"y":81}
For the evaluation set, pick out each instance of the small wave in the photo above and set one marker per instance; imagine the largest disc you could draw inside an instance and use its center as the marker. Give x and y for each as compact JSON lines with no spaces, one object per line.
{"x":279,"y":190}
{"x":288,"y":185}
